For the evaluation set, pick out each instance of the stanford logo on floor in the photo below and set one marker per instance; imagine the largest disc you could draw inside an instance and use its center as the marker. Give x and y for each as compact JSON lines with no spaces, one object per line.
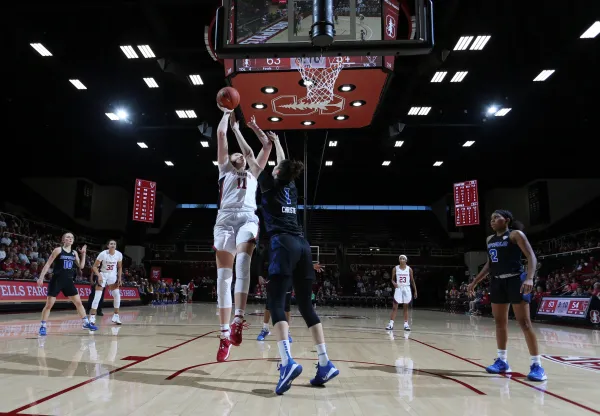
{"x":587,"y":363}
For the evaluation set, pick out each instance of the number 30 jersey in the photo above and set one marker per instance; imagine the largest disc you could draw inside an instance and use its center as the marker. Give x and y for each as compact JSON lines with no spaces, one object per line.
{"x":237,"y":189}
{"x":109,"y":262}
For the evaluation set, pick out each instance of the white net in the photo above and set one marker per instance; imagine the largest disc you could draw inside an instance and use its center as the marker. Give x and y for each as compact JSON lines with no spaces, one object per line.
{"x":319,"y":79}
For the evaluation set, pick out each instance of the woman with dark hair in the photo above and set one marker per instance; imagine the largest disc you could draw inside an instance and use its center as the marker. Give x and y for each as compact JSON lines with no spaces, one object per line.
{"x":510,"y":285}
{"x":290,"y":262}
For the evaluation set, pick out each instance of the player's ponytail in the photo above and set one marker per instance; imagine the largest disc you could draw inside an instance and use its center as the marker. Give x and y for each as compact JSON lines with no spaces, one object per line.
{"x":289,"y":170}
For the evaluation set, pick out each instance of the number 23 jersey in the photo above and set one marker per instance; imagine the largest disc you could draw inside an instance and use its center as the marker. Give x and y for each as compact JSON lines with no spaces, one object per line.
{"x":109,"y":262}
{"x":237,"y":189}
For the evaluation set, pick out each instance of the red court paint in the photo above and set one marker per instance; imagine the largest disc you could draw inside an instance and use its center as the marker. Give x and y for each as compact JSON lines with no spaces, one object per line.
{"x":134,"y":358}
{"x":116,"y":370}
{"x":509,"y":377}
{"x":183,"y":370}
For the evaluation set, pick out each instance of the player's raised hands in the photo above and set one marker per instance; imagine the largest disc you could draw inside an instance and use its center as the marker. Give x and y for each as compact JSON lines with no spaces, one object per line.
{"x":272,"y":136}
{"x":318,"y":268}
{"x":225,"y":110}
{"x":233,"y":122}
{"x":252,"y":123}
{"x":83,"y":249}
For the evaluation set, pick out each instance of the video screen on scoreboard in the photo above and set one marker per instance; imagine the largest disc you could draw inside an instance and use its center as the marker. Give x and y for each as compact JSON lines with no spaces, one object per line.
{"x":283,"y":21}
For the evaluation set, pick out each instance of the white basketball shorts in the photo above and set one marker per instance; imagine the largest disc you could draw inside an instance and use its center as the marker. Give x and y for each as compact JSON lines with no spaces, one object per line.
{"x":403,"y":294}
{"x":108,"y":279}
{"x":233,"y":228}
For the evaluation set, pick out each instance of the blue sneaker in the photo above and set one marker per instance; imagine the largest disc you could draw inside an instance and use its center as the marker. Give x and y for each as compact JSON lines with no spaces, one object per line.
{"x":43,"y":331}
{"x":90,"y":326}
{"x":263,"y":334}
{"x":536,"y":373}
{"x":287,"y":374}
{"x":324,"y":374}
{"x":499,"y":367}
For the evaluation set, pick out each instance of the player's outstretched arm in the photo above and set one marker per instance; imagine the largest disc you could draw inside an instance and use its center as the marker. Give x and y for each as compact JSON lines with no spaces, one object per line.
{"x":278,"y":148}
{"x":247,"y":152}
{"x":222,"y":148}
{"x":267,"y":145}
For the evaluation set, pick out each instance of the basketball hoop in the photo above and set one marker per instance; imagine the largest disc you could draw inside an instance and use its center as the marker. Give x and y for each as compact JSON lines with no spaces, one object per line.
{"x":319,"y":77}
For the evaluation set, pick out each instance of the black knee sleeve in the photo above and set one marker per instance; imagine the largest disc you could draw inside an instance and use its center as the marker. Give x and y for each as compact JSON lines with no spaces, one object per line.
{"x":276,"y":293}
{"x":303,"y":290}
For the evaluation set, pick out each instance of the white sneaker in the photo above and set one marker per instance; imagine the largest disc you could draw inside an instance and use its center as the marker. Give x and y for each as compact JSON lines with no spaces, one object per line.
{"x":390,"y":327}
{"x":116,"y":320}
{"x":406,"y":327}
{"x":92,"y":319}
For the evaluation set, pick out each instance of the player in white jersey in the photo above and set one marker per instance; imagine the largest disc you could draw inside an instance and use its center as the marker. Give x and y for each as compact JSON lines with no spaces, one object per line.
{"x":111,"y":269}
{"x":236,"y":230}
{"x":402,"y":279}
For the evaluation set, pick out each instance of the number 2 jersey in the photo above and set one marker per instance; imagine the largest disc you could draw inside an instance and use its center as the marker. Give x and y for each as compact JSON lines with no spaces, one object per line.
{"x":504,"y":255}
{"x":109,"y":262}
{"x":237,"y":189}
{"x":403,"y":276}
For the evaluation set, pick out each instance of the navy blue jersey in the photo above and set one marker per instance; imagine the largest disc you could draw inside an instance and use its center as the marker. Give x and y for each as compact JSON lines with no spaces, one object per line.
{"x":280,"y":205}
{"x":504,"y":255}
{"x":64,"y":264}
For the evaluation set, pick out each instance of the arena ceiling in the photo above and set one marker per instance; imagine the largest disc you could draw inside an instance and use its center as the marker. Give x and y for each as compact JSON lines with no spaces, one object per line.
{"x":55,"y":129}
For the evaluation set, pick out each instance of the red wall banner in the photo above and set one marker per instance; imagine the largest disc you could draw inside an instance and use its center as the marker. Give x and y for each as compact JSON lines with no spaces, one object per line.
{"x":18,"y":292}
{"x":144,"y":199}
{"x":155,"y":274}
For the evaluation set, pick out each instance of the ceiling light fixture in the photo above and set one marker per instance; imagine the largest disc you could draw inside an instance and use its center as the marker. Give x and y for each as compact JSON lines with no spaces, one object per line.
{"x":438,"y":163}
{"x":308,"y":123}
{"x":196,"y":79}
{"x":271,"y":163}
{"x":259,"y":106}
{"x":592,"y":32}
{"x":332,"y":143}
{"x":439,"y":76}
{"x":204,"y":143}
{"x":386,"y":163}
{"x":41,"y":49}
{"x":269,"y":90}
{"x":328,"y":163}
{"x":151,"y":82}
{"x":346,"y":87}
{"x":463,"y":43}
{"x":112,"y":116}
{"x":341,"y":117}
{"x":469,"y":143}
{"x":544,"y":75}
{"x":502,"y":112}
{"x":419,"y":111}
{"x":169,"y":163}
{"x":398,"y":143}
{"x":480,"y":42}
{"x":129,"y":52}
{"x":142,"y":145}
{"x":146,"y":51}
{"x":357,"y":103}
{"x":459,"y":76}
{"x":78,"y":84}
{"x":275,"y":119}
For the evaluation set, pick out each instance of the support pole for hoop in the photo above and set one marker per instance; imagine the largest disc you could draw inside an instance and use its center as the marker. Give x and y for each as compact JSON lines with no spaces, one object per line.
{"x":305,"y":216}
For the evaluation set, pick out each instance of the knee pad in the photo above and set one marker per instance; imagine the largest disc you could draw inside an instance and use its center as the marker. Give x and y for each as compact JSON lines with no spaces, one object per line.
{"x":224,"y":277}
{"x":242,"y":272}
{"x":97,"y":297}
{"x":117,"y":298}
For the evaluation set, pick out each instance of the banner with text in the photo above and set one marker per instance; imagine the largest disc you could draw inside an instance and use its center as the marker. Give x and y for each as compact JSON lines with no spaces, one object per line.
{"x":564,"y":307}
{"x":19,"y":292}
{"x":144,"y":199}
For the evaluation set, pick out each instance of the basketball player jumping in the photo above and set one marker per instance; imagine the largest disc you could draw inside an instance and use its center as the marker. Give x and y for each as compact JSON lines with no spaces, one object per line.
{"x":290,"y":262}
{"x":235,"y":231}
{"x":510,"y":285}
{"x":402,"y":279}
{"x":109,"y":275}
{"x":62,"y":280}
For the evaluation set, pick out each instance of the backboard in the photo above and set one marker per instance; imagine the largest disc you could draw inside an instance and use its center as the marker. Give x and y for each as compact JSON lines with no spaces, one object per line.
{"x":253,"y":29}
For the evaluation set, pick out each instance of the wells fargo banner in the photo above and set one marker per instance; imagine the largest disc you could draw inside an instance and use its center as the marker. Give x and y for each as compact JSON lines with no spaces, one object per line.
{"x":20,"y":292}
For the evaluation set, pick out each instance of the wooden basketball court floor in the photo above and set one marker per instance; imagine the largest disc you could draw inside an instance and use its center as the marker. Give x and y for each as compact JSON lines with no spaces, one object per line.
{"x":161,"y":361}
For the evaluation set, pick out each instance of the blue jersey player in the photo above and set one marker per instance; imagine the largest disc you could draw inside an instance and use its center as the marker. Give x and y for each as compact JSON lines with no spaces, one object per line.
{"x":290,"y":262}
{"x":66,"y":261}
{"x":510,"y":285}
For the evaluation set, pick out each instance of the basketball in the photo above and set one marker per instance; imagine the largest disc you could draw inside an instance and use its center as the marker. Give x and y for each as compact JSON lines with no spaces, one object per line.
{"x":228,"y":98}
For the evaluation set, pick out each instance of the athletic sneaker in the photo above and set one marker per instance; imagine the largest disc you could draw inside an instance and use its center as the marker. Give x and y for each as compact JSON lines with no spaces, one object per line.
{"x":287,"y":374}
{"x":236,"y":332}
{"x":42,"y":330}
{"x":90,"y":326}
{"x":290,"y":338}
{"x":406,"y":327}
{"x":390,"y":327}
{"x":116,"y":319}
{"x":536,"y":373}
{"x":263,"y":334}
{"x":224,"y":348}
{"x":499,"y":367}
{"x":324,"y":374}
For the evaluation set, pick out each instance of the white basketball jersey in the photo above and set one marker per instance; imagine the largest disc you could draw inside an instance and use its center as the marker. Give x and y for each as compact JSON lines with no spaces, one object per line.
{"x":109,"y":262}
{"x":237,"y":189}
{"x":403,"y":276}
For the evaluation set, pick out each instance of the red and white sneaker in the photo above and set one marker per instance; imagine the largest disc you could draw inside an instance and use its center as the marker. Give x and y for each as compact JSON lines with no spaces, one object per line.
{"x":224,"y":348}
{"x":236,"y":332}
